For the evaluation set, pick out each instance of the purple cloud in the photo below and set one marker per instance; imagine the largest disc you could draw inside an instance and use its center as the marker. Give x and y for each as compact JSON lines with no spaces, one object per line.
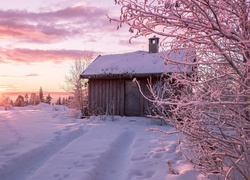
{"x":51,"y":26}
{"x":32,"y":75}
{"x":30,"y":56}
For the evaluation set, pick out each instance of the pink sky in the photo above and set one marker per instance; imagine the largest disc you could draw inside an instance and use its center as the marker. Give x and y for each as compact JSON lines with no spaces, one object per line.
{"x":41,"y":38}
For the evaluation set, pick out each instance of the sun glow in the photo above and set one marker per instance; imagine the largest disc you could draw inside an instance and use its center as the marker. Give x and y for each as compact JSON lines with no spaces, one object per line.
{"x":1,"y":91}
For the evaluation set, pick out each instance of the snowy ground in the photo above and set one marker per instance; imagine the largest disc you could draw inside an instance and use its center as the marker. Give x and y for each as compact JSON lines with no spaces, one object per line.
{"x":45,"y":142}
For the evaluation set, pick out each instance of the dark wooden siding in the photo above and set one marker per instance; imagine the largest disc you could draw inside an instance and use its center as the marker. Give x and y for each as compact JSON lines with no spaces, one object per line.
{"x":133,"y":98}
{"x":108,"y":96}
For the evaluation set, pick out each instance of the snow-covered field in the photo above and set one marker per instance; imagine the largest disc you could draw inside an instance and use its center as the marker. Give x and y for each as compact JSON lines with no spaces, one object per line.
{"x":49,"y":142}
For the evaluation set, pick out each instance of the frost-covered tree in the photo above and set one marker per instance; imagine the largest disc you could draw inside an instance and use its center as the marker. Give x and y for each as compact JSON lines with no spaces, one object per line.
{"x":26,"y":99}
{"x":74,"y":84}
{"x":34,"y":99}
{"x":11,"y":103}
{"x":48,"y":99}
{"x":59,"y":101}
{"x":20,"y":101}
{"x":64,"y":101}
{"x":41,"y":97}
{"x":212,"y":108}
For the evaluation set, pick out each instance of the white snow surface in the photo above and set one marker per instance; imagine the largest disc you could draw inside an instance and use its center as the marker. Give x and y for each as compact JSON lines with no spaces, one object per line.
{"x":140,"y":62}
{"x":49,"y":143}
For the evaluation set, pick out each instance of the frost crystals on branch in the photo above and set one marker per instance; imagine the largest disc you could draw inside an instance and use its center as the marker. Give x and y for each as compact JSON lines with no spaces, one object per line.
{"x":212,"y":109}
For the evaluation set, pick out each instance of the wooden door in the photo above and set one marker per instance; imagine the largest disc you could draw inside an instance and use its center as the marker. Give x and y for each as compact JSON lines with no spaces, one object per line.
{"x":132,"y":99}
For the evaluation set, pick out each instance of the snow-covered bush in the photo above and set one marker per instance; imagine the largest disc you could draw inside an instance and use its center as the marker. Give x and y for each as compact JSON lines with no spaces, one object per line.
{"x":8,"y":107}
{"x":77,"y":86}
{"x":4,"y":100}
{"x":212,"y":108}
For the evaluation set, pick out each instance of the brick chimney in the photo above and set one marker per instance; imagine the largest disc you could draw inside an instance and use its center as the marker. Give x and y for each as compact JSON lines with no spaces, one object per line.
{"x":153,"y":44}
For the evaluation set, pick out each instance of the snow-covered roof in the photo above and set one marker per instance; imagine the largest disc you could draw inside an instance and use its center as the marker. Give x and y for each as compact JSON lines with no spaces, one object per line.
{"x":139,"y":63}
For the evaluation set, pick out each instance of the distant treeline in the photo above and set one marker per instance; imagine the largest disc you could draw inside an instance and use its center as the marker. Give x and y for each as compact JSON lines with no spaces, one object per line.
{"x":34,"y":99}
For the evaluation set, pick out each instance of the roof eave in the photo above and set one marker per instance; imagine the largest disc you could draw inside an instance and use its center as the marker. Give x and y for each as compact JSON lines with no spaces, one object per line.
{"x":113,"y":76}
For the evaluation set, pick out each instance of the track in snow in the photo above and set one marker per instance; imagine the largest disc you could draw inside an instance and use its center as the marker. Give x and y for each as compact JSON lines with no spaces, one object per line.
{"x":115,"y":164}
{"x":13,"y":132}
{"x":25,"y":164}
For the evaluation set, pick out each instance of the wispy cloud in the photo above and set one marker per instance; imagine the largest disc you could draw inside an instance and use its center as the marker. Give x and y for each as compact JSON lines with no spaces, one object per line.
{"x":18,"y":76}
{"x":50,"y":26}
{"x":32,"y":75}
{"x":5,"y":76}
{"x":33,"y":56}
{"x":127,"y":42}
{"x":7,"y":88}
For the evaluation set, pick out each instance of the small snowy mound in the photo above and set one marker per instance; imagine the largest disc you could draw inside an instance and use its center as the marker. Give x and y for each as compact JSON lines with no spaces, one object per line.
{"x":2,"y":108}
{"x":59,"y":108}
{"x":44,"y":106}
{"x":6,"y":107}
{"x":48,"y":107}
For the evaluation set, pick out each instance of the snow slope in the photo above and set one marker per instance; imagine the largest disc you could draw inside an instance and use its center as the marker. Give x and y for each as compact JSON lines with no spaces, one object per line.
{"x":49,"y":142}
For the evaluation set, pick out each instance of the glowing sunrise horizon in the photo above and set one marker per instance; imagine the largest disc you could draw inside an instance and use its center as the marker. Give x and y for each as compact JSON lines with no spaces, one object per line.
{"x":39,"y":41}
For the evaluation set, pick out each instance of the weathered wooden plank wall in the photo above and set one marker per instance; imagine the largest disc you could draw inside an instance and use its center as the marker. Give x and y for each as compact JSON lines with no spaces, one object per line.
{"x":132,"y":99}
{"x":108,"y":96}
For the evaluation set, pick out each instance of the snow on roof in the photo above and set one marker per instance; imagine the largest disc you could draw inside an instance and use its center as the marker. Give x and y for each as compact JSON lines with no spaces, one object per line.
{"x":139,"y":63}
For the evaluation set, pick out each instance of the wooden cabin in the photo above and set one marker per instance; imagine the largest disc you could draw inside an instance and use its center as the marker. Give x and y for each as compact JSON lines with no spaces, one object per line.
{"x":111,"y":85}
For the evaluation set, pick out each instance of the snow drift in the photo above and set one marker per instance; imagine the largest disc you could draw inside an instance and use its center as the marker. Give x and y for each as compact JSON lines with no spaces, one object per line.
{"x":49,"y":142}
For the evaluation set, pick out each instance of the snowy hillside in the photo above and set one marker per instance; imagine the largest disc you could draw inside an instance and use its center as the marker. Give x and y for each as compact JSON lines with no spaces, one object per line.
{"x":49,"y":142}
